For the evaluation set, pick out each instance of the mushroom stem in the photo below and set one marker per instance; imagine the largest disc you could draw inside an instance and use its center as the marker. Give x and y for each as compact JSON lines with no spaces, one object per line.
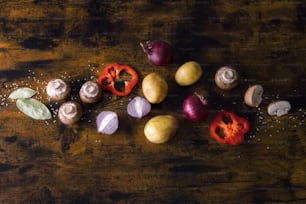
{"x":228,"y":76}
{"x":57,"y":84}
{"x":91,"y":90}
{"x":70,"y":110}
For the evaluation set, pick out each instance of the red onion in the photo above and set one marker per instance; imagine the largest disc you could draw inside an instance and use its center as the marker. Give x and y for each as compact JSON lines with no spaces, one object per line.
{"x":107,"y":122}
{"x":158,"y":52}
{"x":138,"y":107}
{"x":195,"y":108}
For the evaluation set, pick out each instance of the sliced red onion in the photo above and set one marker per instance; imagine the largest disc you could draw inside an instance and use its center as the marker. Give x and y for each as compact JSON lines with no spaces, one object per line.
{"x":107,"y":122}
{"x":138,"y":107}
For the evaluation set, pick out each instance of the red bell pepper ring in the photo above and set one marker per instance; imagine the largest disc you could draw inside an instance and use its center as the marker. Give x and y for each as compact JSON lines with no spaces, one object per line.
{"x":228,"y":128}
{"x":111,"y":75}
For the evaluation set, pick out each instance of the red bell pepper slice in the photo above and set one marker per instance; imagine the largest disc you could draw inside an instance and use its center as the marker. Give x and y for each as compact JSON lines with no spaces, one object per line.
{"x":228,"y":128}
{"x":112,"y":74}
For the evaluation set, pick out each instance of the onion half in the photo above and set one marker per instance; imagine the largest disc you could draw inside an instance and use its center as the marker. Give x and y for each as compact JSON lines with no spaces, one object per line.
{"x":138,"y":107}
{"x":107,"y":122}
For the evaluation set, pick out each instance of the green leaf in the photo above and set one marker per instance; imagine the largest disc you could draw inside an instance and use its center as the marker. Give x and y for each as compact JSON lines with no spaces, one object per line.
{"x":22,"y":93}
{"x":33,"y":108}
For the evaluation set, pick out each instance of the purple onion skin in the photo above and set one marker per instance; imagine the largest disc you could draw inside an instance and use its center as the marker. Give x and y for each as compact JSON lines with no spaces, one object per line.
{"x":158,"y":52}
{"x":195,"y":108}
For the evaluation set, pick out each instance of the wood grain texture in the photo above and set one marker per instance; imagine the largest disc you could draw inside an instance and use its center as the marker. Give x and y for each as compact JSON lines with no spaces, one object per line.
{"x":47,"y":162}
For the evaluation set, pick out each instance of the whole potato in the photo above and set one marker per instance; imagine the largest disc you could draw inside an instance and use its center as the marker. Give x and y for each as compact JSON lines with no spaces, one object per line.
{"x":155,"y":88}
{"x":188,"y":73}
{"x":160,"y":129}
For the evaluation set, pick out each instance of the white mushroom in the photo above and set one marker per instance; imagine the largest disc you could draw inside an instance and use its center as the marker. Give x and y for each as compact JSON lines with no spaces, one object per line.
{"x":226,"y":78}
{"x":58,"y":89}
{"x":70,"y":112}
{"x":279,"y":108}
{"x":253,"y":95}
{"x":90,"y":92}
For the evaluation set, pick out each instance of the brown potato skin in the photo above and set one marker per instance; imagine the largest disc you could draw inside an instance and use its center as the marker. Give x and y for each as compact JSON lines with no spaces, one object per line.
{"x":188,"y":73}
{"x":160,"y":129}
{"x":155,"y":88}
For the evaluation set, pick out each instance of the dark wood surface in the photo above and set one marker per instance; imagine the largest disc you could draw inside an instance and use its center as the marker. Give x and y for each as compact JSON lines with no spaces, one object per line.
{"x":46,"y":162}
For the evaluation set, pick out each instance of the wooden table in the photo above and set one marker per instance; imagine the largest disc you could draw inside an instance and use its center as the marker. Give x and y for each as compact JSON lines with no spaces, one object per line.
{"x":47,"y":162}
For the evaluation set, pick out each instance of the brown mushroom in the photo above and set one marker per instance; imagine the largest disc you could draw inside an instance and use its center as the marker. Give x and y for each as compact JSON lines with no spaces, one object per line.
{"x":253,"y":95}
{"x":90,"y":92}
{"x":70,"y":112}
{"x":58,"y":90}
{"x":226,"y":78}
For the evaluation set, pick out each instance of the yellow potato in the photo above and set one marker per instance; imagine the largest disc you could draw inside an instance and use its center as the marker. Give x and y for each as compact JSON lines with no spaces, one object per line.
{"x":155,"y":88}
{"x":188,"y":73}
{"x":160,"y":129}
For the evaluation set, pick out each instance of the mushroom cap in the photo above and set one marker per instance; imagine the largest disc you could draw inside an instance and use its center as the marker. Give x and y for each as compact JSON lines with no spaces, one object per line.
{"x":70,"y":112}
{"x":253,"y":95}
{"x":90,"y":92}
{"x":279,"y":108}
{"x":226,"y":78}
{"x":58,"y":89}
